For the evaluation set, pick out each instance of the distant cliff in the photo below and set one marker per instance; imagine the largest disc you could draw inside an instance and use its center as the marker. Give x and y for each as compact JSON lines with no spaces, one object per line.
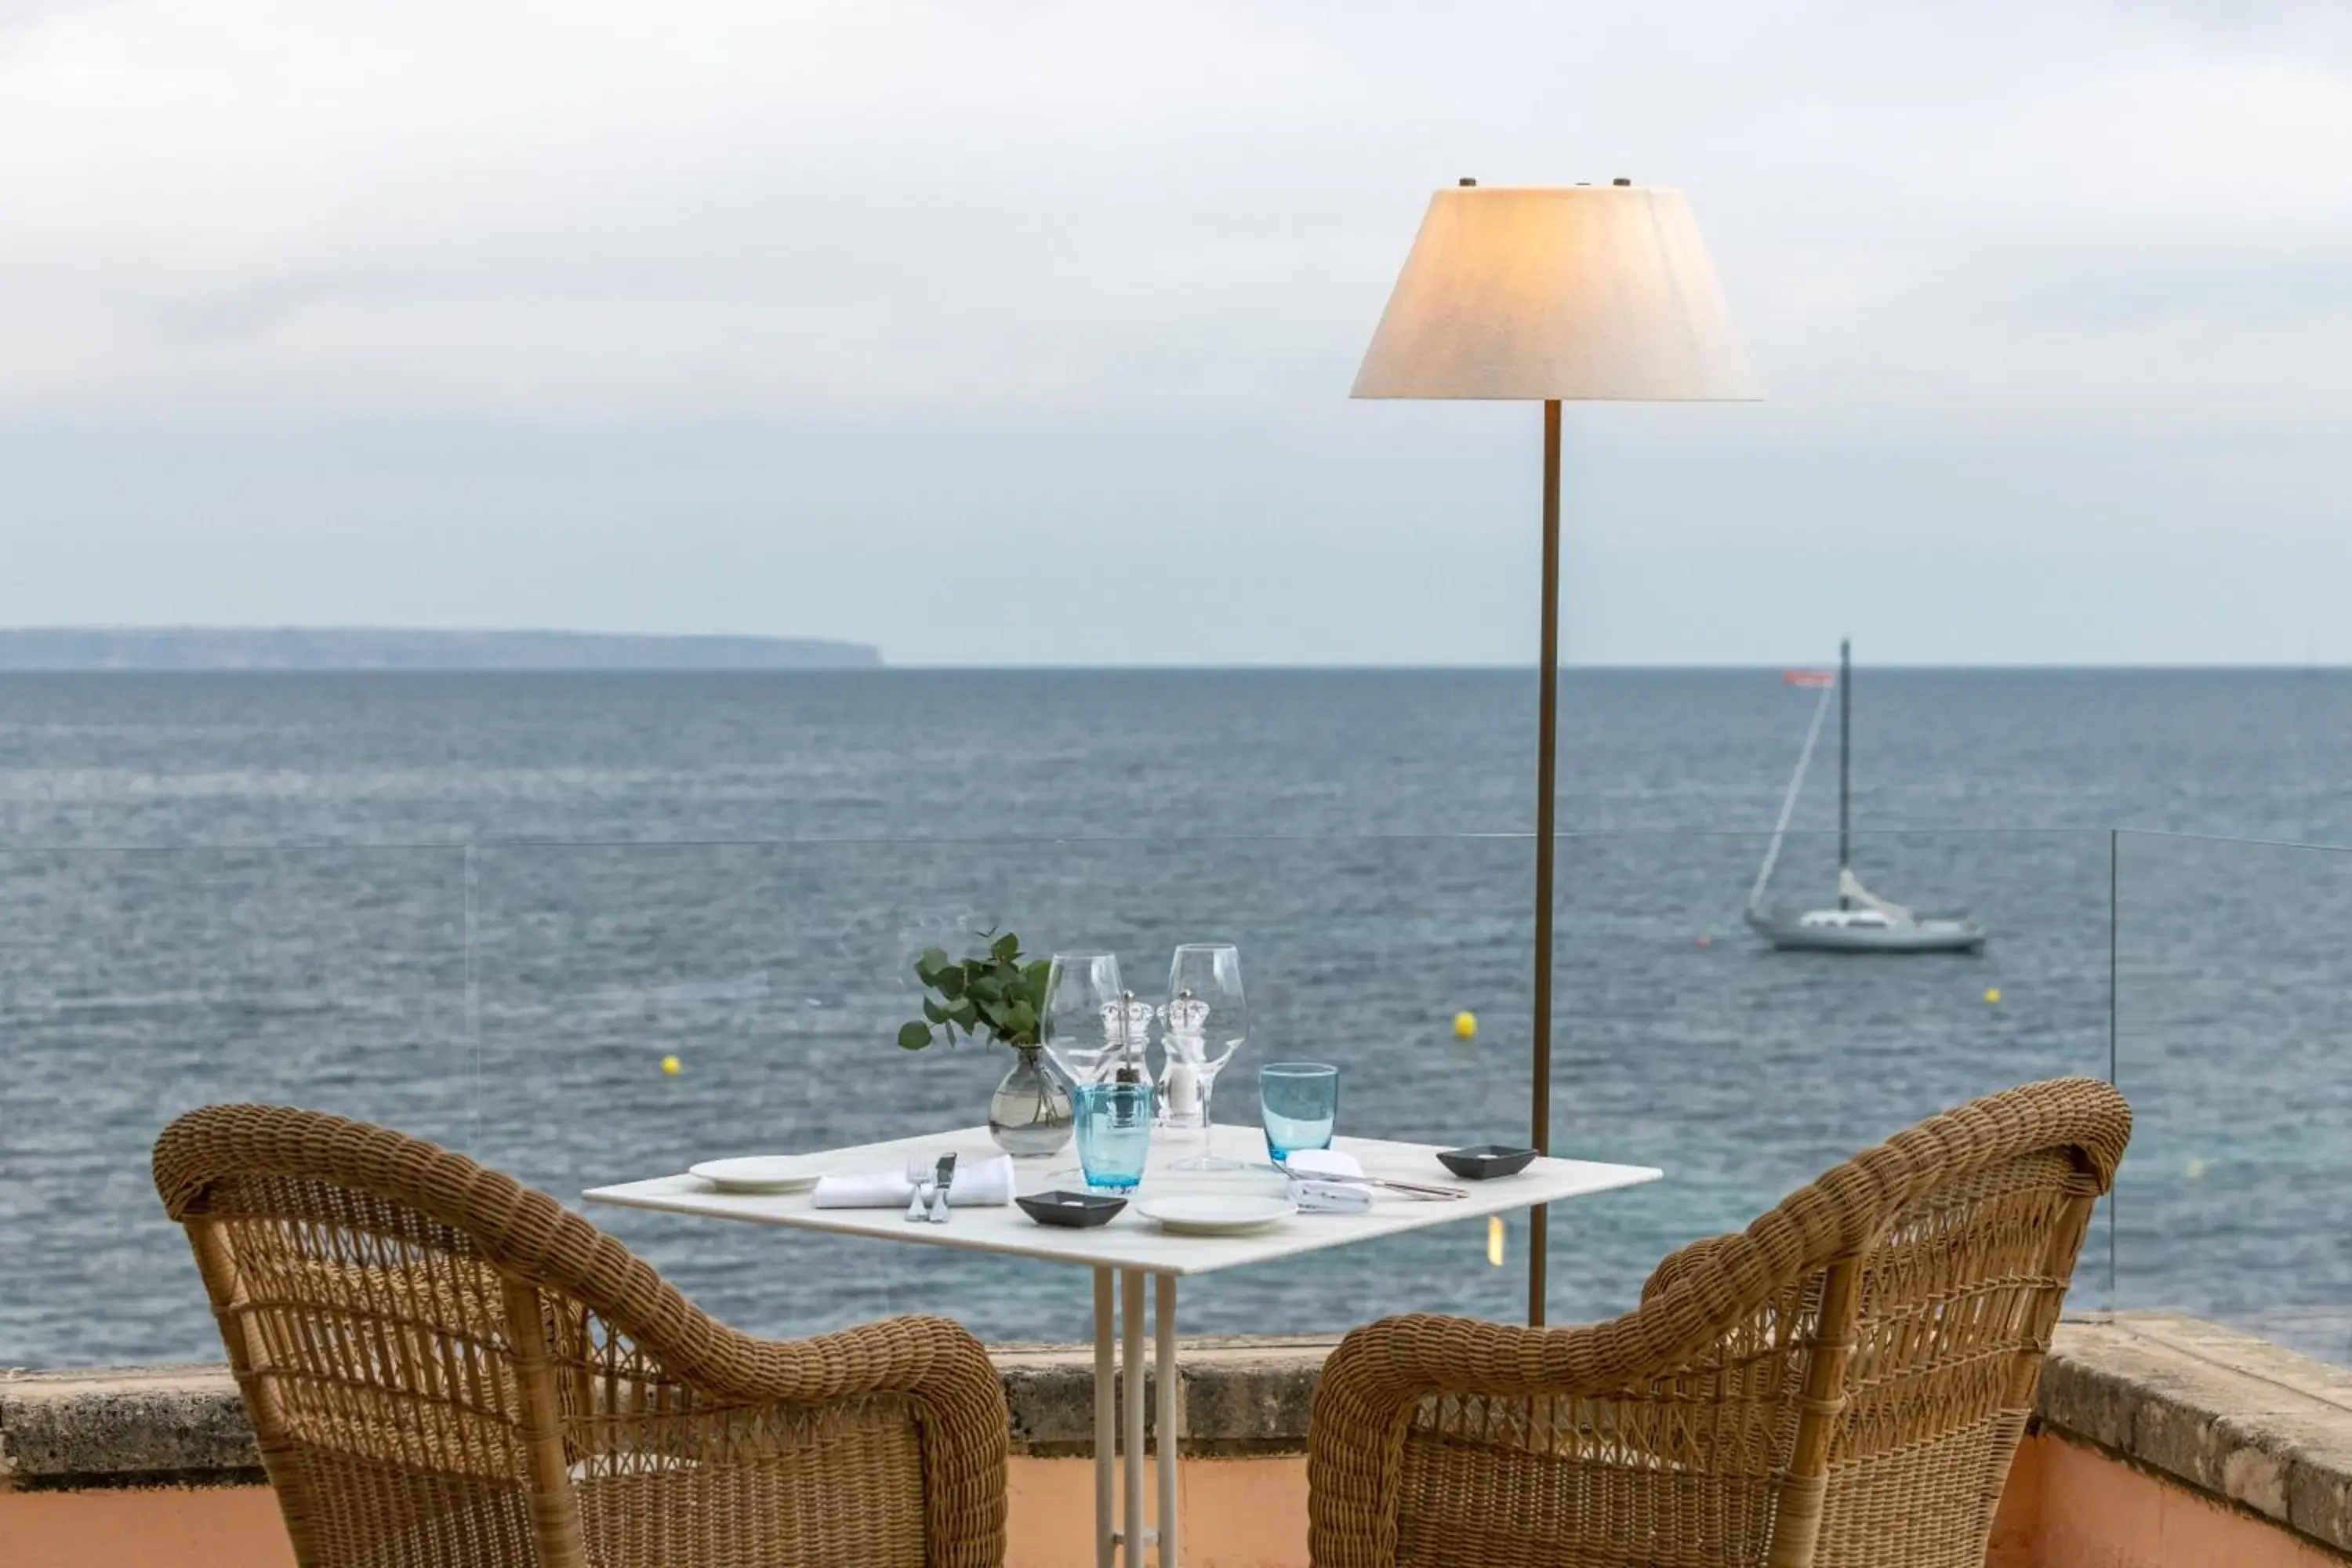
{"x":190,"y":648}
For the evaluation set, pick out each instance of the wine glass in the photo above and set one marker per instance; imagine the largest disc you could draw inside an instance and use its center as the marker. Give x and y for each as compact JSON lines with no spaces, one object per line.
{"x":1204,"y":1023}
{"x":1084,"y":1030}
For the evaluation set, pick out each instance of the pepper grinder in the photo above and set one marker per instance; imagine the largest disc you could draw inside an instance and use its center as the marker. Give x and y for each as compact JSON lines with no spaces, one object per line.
{"x":1181,"y":1049}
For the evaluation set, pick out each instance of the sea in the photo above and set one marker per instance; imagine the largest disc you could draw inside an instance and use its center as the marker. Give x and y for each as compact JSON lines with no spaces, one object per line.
{"x":485,"y":908}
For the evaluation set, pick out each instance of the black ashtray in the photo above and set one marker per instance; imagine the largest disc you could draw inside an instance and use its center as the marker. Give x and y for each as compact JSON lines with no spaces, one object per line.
{"x":1485,"y":1161}
{"x":1079,"y":1211}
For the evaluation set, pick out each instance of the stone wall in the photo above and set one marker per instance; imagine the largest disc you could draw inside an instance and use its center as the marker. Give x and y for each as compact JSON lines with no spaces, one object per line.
{"x":2161,"y":1442}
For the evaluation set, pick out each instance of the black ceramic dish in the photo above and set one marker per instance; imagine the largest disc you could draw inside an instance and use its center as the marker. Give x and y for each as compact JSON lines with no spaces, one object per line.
{"x":1080,"y":1211}
{"x":1485,"y":1161}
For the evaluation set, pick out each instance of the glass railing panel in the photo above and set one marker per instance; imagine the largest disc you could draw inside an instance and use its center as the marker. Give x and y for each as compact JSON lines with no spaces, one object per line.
{"x":778,"y":976}
{"x":137,"y":985}
{"x":2231,"y":1019}
{"x":1684,"y":1039}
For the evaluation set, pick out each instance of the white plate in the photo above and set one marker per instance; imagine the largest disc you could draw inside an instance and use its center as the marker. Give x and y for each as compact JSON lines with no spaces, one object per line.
{"x":762,"y":1173}
{"x":1211,"y":1213}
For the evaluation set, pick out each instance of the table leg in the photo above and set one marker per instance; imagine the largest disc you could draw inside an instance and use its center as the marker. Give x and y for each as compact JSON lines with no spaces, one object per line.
{"x":1106,"y":1423}
{"x":1163,"y":1368}
{"x":1131,"y":1457}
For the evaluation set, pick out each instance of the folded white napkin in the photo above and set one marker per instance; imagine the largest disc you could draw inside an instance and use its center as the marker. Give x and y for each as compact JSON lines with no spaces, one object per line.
{"x":1320,"y":1181}
{"x":978,"y":1183}
{"x":1314,"y":1195}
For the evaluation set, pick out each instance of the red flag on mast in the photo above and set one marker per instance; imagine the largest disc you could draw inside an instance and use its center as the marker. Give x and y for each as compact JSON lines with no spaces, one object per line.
{"x":1814,"y":678}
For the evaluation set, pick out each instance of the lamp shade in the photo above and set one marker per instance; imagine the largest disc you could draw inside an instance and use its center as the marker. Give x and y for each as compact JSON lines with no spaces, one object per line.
{"x":1579,"y":291}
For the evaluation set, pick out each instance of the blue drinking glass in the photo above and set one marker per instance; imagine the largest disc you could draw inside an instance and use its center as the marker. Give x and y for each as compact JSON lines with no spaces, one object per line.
{"x":1114,"y":1132}
{"x":1300,"y":1101}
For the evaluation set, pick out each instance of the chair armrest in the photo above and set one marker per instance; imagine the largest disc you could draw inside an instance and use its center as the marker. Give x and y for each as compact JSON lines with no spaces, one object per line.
{"x":1683,"y":1262}
{"x":927,"y":1357}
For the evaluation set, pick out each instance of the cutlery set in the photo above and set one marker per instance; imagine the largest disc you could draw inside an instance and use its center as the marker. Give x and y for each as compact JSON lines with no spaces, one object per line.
{"x":1408,"y":1189}
{"x":930,"y":1201}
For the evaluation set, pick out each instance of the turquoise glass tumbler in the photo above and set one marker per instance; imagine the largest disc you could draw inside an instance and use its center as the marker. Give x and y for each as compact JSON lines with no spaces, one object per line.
{"x":1114,"y":1133}
{"x":1300,"y":1103}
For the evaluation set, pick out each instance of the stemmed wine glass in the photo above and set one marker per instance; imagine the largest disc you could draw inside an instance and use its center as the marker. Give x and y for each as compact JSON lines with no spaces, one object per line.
{"x":1083,"y":1003}
{"x":1203,"y":1023}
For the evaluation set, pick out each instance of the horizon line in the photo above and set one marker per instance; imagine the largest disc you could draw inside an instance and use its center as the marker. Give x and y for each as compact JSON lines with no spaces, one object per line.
{"x":884,"y":667}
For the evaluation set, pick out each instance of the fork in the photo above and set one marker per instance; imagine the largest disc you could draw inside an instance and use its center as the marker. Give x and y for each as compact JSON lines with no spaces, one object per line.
{"x":919,"y":1176}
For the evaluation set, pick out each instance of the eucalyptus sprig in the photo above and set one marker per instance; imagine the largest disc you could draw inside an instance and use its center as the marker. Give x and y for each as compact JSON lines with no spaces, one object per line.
{"x":992,"y":992}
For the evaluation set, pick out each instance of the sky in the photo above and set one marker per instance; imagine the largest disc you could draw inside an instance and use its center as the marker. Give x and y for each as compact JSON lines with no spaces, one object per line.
{"x":1017,"y":333}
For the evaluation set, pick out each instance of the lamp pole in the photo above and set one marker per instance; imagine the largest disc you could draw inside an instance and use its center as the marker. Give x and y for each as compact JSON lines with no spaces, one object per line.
{"x":1547,"y":784}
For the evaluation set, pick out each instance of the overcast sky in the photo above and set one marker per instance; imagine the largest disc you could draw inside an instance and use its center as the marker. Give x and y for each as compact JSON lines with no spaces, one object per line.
{"x":995,"y":331}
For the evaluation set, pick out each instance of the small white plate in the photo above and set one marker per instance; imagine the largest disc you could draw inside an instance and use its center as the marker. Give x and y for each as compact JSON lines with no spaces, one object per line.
{"x":761,"y":1173}
{"x":1212,"y":1213}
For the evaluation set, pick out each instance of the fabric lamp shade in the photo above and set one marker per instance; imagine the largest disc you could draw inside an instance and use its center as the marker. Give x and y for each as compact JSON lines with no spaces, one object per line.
{"x":1574,"y":292}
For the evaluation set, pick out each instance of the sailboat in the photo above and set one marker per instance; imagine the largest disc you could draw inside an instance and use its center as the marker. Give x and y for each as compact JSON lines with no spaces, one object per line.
{"x":1862,"y":922}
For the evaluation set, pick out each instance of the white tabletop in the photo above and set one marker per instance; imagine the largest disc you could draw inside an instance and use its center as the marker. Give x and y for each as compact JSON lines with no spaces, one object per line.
{"x":1131,"y":1241}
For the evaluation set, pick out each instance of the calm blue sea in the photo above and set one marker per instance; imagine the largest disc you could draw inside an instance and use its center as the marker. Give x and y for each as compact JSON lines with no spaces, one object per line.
{"x":483,"y":908}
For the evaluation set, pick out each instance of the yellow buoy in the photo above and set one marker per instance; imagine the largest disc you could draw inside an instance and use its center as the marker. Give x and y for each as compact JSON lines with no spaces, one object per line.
{"x":1465,"y":1025}
{"x":2196,"y":1169}
{"x":1494,"y":1239}
{"x":671,"y":1065}
{"x":1992,"y":996}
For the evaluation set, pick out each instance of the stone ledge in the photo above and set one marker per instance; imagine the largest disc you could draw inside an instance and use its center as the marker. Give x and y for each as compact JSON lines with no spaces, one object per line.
{"x":184,"y":1424}
{"x":124,"y":1426}
{"x":1235,"y":1396}
{"x":2229,"y":1415}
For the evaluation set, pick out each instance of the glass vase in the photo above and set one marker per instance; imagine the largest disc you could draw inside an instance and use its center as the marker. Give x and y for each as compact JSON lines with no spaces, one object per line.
{"x":1029,"y":1114}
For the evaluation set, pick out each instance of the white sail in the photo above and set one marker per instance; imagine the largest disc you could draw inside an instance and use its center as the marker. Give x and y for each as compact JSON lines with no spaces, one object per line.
{"x":1849,"y":887}
{"x":1789,"y":801}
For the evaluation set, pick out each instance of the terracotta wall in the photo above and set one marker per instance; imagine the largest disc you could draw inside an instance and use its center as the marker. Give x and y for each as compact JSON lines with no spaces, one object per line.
{"x":2068,"y":1506}
{"x":2097,"y":1512}
{"x":1247,"y":1513}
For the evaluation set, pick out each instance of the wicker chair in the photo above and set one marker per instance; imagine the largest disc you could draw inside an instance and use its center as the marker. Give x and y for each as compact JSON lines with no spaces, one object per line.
{"x":446,"y":1370}
{"x":1842,"y":1385}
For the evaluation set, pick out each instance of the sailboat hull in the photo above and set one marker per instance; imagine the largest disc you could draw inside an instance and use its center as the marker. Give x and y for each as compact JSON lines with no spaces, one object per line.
{"x":1815,"y":934}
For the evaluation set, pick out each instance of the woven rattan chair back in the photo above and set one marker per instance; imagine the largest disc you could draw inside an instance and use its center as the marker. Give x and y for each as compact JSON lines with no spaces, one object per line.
{"x":445,"y":1369}
{"x":1842,"y":1385}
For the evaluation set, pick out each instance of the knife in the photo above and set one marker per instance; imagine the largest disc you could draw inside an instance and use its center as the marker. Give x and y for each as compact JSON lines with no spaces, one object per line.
{"x":945,"y":1179}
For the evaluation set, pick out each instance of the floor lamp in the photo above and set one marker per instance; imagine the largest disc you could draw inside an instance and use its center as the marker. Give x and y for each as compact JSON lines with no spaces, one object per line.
{"x":1551,"y":294}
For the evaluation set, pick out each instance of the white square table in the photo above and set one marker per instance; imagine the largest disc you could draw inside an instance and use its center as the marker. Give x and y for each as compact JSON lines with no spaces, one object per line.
{"x":1129,"y":1248}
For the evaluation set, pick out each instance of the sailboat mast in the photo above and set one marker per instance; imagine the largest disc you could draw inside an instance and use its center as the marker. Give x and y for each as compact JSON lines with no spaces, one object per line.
{"x":1845,"y":766}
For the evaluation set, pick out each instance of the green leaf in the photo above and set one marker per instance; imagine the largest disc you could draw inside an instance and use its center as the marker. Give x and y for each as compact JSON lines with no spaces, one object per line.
{"x":934,"y":1012}
{"x":964,"y":1013}
{"x":949,"y":981}
{"x":913,"y":1036}
{"x":1005,"y":948}
{"x":1021,"y":1023}
{"x":929,"y":963}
